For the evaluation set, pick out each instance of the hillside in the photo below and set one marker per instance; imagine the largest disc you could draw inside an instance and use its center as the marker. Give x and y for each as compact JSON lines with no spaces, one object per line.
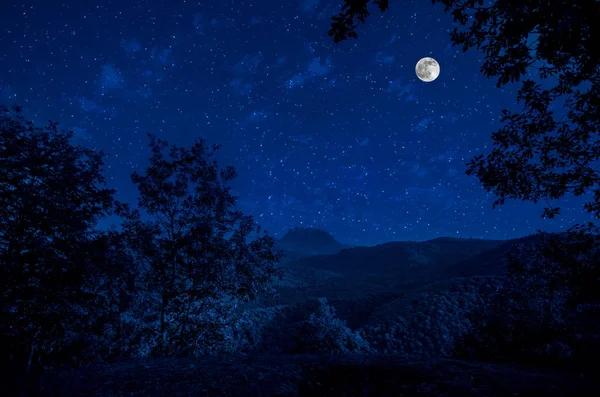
{"x":397,"y":264}
{"x":411,"y":302}
{"x":488,"y":262}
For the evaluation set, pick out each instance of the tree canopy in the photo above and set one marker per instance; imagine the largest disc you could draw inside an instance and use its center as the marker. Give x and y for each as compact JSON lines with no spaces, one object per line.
{"x":537,"y":154}
{"x":199,"y":255}
{"x":51,"y":196}
{"x":165,"y":281}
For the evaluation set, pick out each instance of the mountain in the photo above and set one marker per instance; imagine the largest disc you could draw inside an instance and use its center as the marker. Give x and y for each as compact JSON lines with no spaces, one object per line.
{"x":396,"y":267}
{"x":489,"y":262}
{"x":303,"y":242}
{"x":399,"y":263}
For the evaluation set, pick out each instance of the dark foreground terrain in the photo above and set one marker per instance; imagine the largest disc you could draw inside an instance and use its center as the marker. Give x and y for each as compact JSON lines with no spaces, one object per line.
{"x":416,"y":305}
{"x":308,"y":375}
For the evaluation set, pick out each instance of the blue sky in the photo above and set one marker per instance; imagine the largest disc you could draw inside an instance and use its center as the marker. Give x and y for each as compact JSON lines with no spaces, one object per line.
{"x":341,"y":137}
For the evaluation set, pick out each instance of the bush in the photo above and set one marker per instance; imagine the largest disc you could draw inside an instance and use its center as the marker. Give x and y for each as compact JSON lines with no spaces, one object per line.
{"x":323,"y":332}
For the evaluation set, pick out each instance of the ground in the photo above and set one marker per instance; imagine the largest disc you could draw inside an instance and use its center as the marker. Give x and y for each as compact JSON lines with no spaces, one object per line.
{"x":308,"y":375}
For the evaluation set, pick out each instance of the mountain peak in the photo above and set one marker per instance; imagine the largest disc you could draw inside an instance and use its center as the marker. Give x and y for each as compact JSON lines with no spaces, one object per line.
{"x":308,"y":234}
{"x":310,"y":240}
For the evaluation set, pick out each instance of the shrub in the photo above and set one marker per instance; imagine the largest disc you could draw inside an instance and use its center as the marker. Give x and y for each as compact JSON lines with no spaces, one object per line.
{"x":323,"y":332}
{"x":259,"y":330}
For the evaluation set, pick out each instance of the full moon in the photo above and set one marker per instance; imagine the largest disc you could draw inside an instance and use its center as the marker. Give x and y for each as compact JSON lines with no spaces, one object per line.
{"x":427,"y":69}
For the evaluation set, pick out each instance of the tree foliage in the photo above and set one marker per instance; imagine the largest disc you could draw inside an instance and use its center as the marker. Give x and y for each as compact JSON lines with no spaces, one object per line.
{"x":537,"y":154}
{"x":344,"y":25}
{"x":560,"y":265}
{"x":198,"y":254}
{"x":547,"y":311}
{"x":51,"y":195}
{"x":165,"y":281}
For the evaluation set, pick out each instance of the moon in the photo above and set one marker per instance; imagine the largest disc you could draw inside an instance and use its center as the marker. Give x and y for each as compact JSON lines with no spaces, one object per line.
{"x":427,"y":69}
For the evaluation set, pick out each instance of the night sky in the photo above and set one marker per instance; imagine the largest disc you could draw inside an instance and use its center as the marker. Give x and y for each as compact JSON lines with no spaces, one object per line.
{"x":340,"y":137}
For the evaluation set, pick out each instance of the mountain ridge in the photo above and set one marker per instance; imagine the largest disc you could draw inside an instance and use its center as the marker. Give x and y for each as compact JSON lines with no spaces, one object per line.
{"x":302,"y":242}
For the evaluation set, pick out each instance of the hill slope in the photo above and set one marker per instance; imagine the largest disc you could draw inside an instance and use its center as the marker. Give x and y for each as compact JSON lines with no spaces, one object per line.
{"x":400,"y":263}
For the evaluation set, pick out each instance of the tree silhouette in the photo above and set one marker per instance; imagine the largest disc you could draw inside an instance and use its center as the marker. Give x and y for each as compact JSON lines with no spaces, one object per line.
{"x":537,"y":154}
{"x":198,"y":254}
{"x":344,"y":25}
{"x":51,"y":195}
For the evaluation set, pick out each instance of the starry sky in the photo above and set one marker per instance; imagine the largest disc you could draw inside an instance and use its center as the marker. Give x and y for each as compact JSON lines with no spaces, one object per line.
{"x":340,"y":137}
